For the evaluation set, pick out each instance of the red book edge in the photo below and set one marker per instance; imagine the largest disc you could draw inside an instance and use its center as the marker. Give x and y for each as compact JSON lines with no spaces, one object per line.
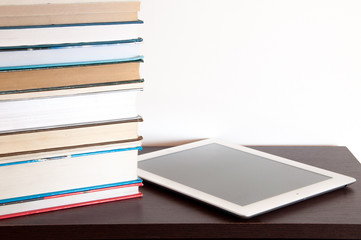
{"x":43,"y":210}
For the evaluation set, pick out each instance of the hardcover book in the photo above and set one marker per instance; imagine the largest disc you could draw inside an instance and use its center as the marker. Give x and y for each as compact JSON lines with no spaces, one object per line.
{"x":84,"y":197}
{"x":43,"y":112}
{"x":82,"y":135}
{"x":20,"y":13}
{"x":70,"y":54}
{"x":68,"y":33}
{"x":72,"y":90}
{"x":37,"y":78}
{"x":59,"y":172}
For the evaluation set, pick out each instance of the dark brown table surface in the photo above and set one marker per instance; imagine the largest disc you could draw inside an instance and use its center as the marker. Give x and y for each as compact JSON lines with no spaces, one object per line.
{"x":165,"y":214}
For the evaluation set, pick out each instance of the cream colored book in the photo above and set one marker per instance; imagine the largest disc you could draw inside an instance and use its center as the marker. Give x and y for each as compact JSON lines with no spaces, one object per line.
{"x":73,"y":90}
{"x":25,"y":13}
{"x":68,"y":19}
{"x":58,"y":138}
{"x":27,"y":2}
{"x":68,"y":76}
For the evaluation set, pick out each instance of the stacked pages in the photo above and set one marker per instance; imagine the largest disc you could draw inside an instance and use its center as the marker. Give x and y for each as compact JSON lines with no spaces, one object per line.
{"x":69,"y":79}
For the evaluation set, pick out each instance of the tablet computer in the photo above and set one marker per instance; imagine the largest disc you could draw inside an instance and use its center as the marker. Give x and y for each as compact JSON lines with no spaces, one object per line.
{"x":238,"y":179}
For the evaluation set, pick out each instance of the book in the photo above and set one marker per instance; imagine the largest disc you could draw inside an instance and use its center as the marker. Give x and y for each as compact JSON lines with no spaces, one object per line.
{"x":26,"y":2}
{"x":70,"y":54}
{"x":59,"y":172}
{"x":48,"y":13}
{"x":68,"y":33}
{"x":72,"y":200}
{"x":68,"y":18}
{"x":82,"y":135}
{"x":72,"y":90}
{"x":35,"y":78}
{"x":33,"y":113}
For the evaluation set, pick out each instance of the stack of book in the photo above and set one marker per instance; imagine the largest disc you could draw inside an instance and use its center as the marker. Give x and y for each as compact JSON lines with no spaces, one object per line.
{"x":69,"y":78}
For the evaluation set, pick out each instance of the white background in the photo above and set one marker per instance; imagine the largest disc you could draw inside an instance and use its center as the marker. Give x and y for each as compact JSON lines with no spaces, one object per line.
{"x":254,"y":72}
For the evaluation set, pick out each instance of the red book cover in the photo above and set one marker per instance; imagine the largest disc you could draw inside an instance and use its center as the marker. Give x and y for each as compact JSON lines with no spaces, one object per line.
{"x":92,"y":193}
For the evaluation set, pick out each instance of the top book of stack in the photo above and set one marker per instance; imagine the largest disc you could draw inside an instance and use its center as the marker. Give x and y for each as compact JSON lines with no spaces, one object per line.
{"x":49,"y":12}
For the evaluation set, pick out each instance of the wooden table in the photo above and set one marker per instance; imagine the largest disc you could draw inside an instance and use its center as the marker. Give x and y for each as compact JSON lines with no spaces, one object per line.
{"x":165,"y":214}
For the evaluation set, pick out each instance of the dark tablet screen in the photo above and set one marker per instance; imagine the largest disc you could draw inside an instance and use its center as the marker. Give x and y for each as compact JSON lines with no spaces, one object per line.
{"x":230,"y":174}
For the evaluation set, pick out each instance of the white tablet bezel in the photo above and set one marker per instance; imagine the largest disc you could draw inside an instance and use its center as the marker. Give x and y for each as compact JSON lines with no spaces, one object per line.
{"x":334,"y":182}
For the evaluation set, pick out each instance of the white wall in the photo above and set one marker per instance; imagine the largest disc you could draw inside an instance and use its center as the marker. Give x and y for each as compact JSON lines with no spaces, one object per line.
{"x":252,"y":72}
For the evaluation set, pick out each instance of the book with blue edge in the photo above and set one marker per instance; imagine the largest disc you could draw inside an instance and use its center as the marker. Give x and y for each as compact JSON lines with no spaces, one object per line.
{"x":27,"y":36}
{"x":45,"y":56}
{"x":40,"y":181}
